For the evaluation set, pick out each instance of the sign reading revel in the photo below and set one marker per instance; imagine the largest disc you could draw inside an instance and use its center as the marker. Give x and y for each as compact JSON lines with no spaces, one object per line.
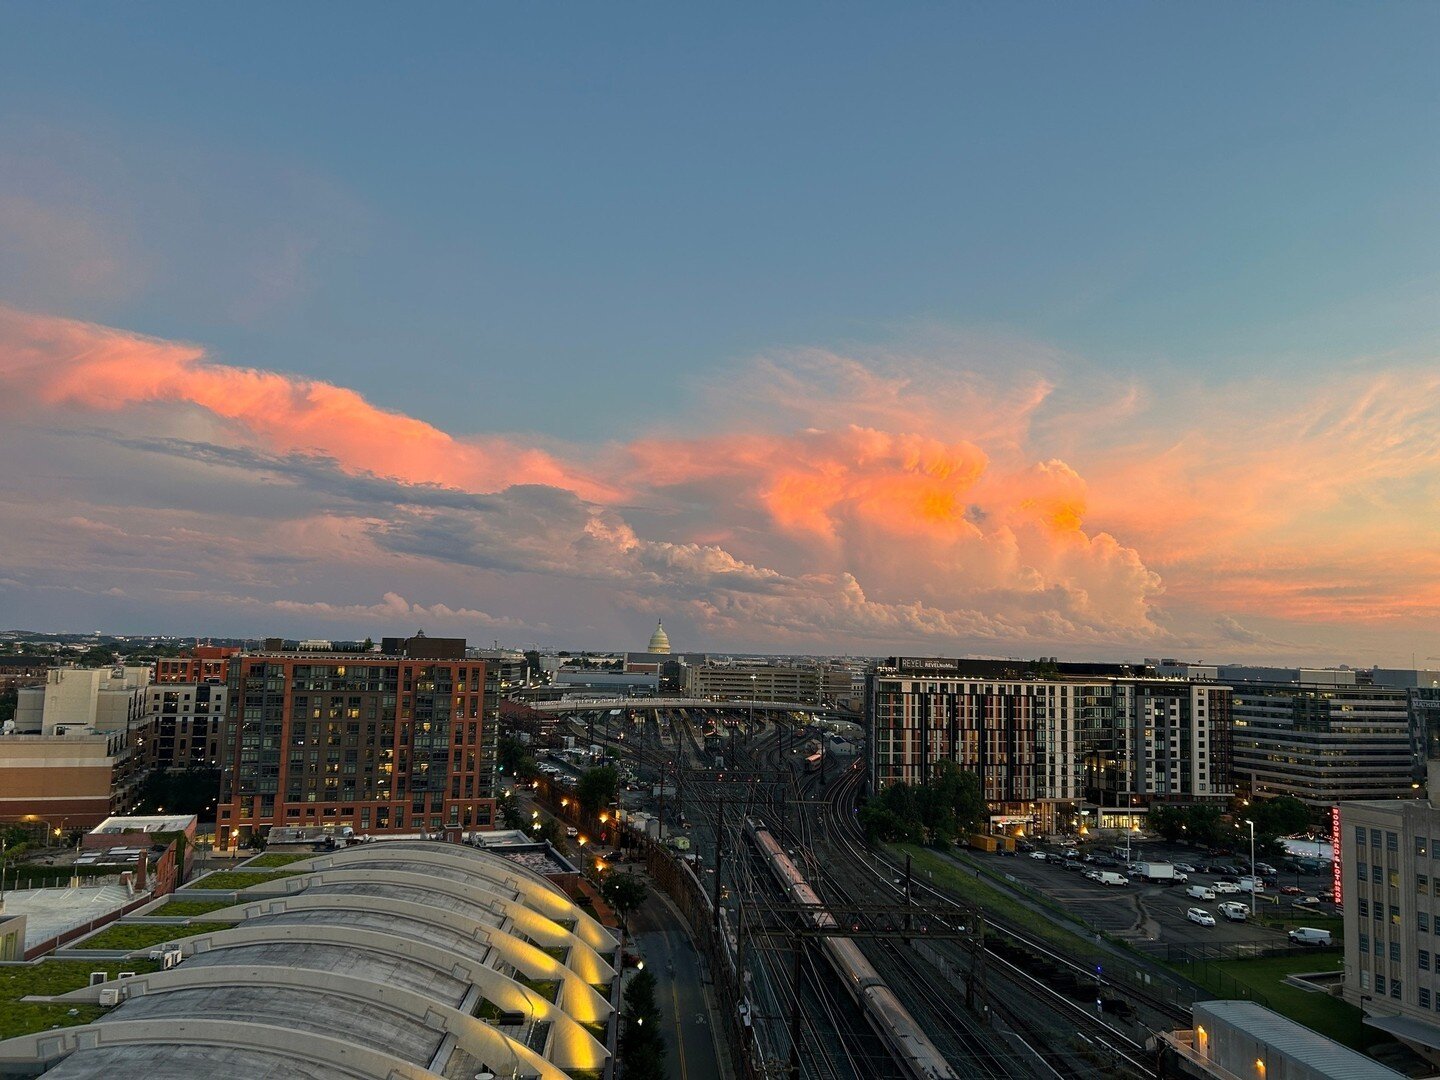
{"x":1335,"y":855}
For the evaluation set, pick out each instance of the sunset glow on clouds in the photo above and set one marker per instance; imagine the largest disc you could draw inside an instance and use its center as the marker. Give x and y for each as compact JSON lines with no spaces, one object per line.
{"x":950,"y":500}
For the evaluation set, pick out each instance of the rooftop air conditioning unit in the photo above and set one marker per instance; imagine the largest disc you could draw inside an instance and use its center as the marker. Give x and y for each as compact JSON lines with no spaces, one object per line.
{"x":170,"y":959}
{"x":110,"y":997}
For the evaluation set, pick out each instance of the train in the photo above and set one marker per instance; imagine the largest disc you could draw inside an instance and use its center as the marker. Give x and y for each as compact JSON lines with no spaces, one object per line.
{"x":891,"y":1021}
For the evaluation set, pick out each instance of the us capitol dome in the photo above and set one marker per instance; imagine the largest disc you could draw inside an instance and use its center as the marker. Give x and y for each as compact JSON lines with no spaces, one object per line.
{"x":659,"y":640}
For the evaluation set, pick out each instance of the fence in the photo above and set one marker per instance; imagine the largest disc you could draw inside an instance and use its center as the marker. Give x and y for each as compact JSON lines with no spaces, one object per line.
{"x":1204,"y":952}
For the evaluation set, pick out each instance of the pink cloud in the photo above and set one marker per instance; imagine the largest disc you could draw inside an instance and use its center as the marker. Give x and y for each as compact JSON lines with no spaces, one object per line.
{"x":65,"y":363}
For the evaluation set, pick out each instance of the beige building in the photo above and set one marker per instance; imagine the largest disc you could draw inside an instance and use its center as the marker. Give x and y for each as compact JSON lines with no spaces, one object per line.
{"x":1389,"y":857}
{"x":762,"y":682}
{"x":103,"y":699}
{"x":67,"y":780}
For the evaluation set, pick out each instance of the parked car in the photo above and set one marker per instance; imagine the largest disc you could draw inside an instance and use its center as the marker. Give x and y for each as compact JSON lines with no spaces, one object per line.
{"x":1185,"y":868}
{"x":1072,"y":864}
{"x":1024,"y":845}
{"x":1201,"y":916}
{"x":1093,"y":875}
{"x":1225,"y":887}
{"x":1039,"y":855}
{"x":1291,"y":890}
{"x":1307,"y":900}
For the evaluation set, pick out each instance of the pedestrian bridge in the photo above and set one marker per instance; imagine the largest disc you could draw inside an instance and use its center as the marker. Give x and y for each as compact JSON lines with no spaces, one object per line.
{"x":578,"y":704}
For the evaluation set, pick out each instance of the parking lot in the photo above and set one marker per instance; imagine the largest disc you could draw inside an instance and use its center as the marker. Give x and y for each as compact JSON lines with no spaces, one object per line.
{"x":1154,"y":915}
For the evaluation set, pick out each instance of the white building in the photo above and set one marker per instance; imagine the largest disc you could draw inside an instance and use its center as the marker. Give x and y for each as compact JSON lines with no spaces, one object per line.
{"x":101,"y":699}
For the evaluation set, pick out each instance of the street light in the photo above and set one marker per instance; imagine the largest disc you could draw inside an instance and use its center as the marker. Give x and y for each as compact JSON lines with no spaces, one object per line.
{"x":1253,"y":882}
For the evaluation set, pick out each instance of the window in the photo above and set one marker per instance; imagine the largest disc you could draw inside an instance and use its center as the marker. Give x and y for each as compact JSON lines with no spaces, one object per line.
{"x":1374,"y":837}
{"x":1422,"y":922}
{"x":1360,"y":835}
{"x":1364,"y":907}
{"x":1420,"y":843}
{"x":1380,"y":984}
{"x":1376,"y":873}
{"x":1392,"y":843}
{"x":1422,"y":884}
{"x":1424,"y":995}
{"x":1394,"y":988}
{"x":1364,"y":943}
{"x":1424,"y":959}
{"x":1394,"y":914}
{"x":1362,"y":871}
{"x":1395,"y":951}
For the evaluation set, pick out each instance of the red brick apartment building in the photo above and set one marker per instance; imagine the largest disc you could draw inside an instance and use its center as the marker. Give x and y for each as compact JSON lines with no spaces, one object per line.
{"x":398,"y":742}
{"x":204,"y":663}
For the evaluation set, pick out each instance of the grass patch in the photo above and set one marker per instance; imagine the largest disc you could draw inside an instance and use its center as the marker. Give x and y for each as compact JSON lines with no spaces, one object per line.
{"x":1320,"y":1012}
{"x":966,"y":884}
{"x":53,"y":977}
{"x":131,"y":936}
{"x":276,"y":858}
{"x":546,"y":988}
{"x":189,"y":908}
{"x":1333,"y":923}
{"x":230,"y":880}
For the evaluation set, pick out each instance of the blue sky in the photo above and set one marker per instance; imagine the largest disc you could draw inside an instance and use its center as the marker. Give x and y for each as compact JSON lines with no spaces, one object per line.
{"x":602,"y":200}
{"x":557,"y":228}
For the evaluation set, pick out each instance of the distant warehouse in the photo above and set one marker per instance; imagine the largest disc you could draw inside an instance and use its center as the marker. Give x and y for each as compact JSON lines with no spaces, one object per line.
{"x":766,"y":682}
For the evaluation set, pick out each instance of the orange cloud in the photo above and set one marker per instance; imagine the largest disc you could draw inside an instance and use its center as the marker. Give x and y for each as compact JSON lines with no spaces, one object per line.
{"x":65,"y":363}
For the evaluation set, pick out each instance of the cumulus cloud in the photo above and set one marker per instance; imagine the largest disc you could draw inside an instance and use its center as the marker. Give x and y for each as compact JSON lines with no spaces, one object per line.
{"x":868,"y":502}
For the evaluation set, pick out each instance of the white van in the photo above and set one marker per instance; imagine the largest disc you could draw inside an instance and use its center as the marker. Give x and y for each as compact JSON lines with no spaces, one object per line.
{"x":1110,"y":877}
{"x":1252,"y":884}
{"x":1308,"y":935}
{"x":1200,"y":892}
{"x":1234,"y":911}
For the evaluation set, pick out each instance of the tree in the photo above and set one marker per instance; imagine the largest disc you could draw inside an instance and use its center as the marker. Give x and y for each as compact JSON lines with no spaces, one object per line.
{"x":642,"y":1053}
{"x":1170,"y":822}
{"x":1205,"y":825}
{"x":624,"y":893}
{"x":1283,"y":816}
{"x":597,"y":787}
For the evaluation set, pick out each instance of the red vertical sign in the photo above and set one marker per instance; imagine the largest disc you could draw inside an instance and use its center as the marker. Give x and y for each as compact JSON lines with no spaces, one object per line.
{"x":1335,"y":877}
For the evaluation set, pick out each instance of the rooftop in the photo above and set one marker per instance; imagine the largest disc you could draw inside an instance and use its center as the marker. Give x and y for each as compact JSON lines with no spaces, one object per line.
{"x":151,"y":824}
{"x":386,"y":959}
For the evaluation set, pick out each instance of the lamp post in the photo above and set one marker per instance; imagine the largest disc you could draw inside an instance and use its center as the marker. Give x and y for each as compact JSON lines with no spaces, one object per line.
{"x":1253,"y":882}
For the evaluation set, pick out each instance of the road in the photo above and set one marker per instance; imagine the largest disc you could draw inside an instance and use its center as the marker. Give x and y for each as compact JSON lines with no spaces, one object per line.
{"x":660,"y":938}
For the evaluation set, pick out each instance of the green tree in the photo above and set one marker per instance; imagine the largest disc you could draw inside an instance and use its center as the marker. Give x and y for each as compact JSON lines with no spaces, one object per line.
{"x":1170,"y":822}
{"x":597,"y":787}
{"x":1205,"y":825}
{"x":1283,"y":816}
{"x":624,"y":893}
{"x":642,"y":1053}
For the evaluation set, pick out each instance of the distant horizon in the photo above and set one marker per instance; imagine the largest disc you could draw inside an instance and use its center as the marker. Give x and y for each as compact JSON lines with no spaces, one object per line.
{"x":223,"y":640}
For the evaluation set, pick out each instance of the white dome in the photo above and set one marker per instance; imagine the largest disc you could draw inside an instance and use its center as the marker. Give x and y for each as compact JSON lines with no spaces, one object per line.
{"x":659,"y":640}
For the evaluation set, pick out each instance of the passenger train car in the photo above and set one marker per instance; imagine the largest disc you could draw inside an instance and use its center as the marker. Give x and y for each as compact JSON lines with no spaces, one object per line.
{"x":890,"y":1019}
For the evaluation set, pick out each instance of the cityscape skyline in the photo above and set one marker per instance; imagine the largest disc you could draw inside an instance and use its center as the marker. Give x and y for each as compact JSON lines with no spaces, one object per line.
{"x":857,"y":335}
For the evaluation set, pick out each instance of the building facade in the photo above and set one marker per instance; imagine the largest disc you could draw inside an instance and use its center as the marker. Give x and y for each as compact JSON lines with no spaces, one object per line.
{"x":1389,"y":853}
{"x":74,"y":779}
{"x":1324,"y":743}
{"x":100,"y":699}
{"x":1043,"y":741}
{"x":768,"y":682}
{"x":380,"y":743}
{"x":204,"y":663}
{"x":183,"y":722}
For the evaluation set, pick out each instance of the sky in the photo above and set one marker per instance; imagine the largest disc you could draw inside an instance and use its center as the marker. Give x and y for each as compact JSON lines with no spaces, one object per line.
{"x":1097,"y":331}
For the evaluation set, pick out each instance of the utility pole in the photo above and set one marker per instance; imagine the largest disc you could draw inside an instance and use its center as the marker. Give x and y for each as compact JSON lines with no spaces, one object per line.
{"x":719,"y":862}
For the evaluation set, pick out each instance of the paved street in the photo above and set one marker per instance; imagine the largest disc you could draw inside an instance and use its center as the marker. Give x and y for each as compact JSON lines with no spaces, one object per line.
{"x":690,"y":1039}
